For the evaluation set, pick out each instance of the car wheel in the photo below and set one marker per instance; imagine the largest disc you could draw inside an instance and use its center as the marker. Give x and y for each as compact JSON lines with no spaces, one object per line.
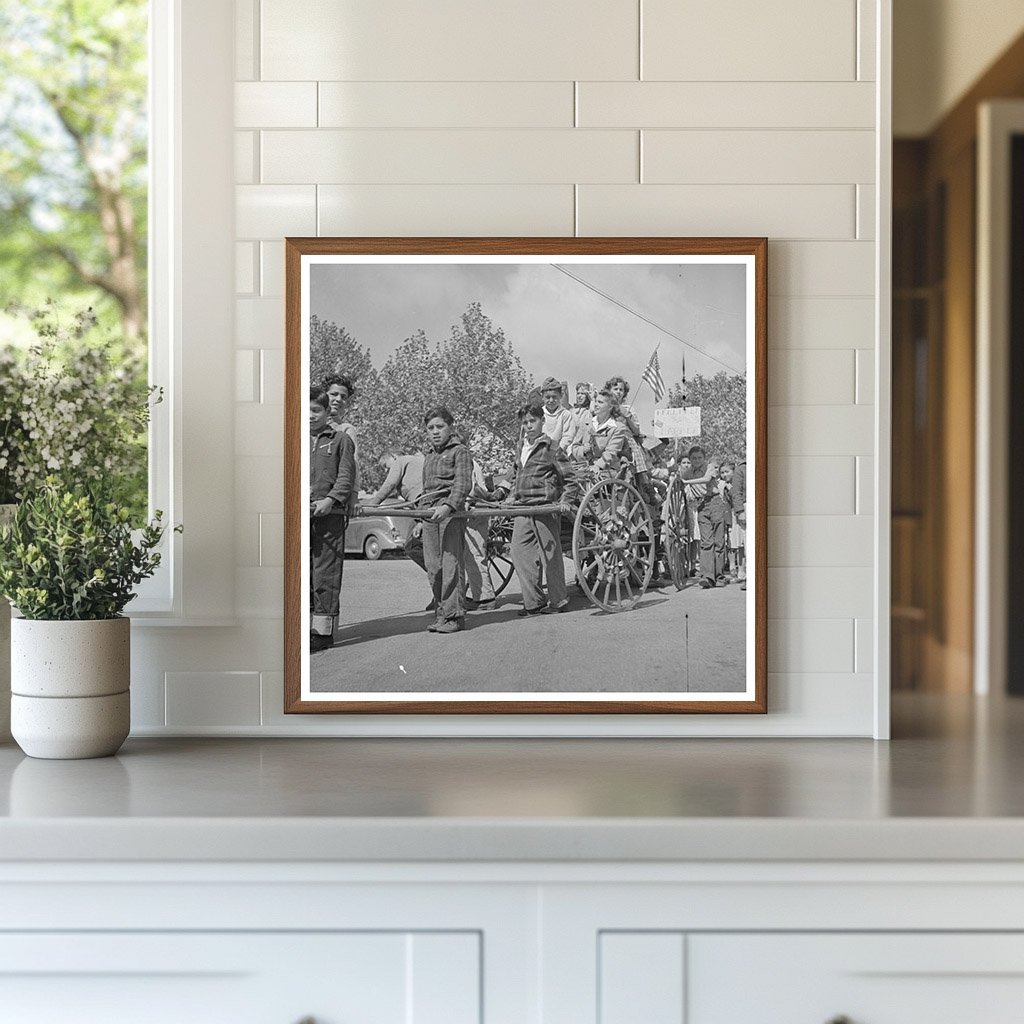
{"x":371,"y":548}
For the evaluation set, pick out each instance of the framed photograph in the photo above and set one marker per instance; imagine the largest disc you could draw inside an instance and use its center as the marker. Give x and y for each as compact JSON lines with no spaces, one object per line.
{"x":525,"y":475}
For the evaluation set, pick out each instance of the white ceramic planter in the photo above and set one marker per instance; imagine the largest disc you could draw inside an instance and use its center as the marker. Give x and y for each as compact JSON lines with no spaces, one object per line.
{"x":68,"y":727}
{"x":69,"y":683}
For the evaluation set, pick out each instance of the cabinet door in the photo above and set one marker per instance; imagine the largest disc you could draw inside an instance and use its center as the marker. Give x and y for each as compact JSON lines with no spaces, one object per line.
{"x":242,"y":978}
{"x":862,"y":978}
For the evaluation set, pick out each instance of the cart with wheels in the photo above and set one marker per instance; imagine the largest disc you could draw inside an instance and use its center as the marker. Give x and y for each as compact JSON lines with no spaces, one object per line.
{"x":610,"y":532}
{"x":677,"y":537}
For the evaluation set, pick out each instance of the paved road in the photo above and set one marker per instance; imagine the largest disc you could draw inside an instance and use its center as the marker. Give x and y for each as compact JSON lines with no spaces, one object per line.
{"x":381,"y":644}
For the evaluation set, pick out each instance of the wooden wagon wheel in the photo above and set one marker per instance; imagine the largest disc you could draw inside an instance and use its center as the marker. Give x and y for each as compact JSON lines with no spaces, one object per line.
{"x":499,"y":552}
{"x":677,"y":547}
{"x":613,"y":545}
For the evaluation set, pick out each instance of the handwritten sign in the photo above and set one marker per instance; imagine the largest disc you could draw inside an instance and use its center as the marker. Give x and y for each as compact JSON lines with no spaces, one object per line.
{"x":676,"y":422}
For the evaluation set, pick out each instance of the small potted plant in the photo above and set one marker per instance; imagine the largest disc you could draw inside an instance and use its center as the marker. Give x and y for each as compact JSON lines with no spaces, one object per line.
{"x":69,"y":563}
{"x":74,"y":403}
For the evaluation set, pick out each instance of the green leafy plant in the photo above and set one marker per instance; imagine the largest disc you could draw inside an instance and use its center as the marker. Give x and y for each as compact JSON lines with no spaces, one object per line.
{"x":75,"y":407}
{"x":70,"y":553}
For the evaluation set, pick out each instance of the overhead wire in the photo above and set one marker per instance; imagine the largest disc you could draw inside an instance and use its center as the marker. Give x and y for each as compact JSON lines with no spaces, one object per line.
{"x":647,"y":320}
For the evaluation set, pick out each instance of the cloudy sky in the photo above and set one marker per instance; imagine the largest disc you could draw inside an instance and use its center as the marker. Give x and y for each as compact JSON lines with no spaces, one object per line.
{"x":557,"y":325}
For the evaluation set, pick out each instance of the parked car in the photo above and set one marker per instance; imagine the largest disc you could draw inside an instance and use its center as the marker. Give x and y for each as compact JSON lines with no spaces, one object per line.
{"x":373,"y":535}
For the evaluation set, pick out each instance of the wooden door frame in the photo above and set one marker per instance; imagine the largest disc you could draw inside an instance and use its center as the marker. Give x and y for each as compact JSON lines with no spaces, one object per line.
{"x":998,"y":121}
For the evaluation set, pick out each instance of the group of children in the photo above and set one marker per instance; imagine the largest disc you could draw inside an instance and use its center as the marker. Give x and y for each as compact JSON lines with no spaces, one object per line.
{"x":556,"y":443}
{"x":716,"y":494}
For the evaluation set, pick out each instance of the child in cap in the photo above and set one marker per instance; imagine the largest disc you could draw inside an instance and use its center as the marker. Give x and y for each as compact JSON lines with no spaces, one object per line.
{"x":559,"y":422}
{"x":543,"y":476}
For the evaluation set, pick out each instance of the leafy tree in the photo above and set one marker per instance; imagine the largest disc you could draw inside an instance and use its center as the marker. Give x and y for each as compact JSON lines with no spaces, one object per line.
{"x":723,"y":413}
{"x":474,"y":372}
{"x":333,"y":350}
{"x":73,"y":202}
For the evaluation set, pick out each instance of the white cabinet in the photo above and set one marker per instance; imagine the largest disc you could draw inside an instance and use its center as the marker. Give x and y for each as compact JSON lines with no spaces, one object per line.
{"x":906,"y":978}
{"x":868,"y":979}
{"x":511,"y":943}
{"x":241,"y":978}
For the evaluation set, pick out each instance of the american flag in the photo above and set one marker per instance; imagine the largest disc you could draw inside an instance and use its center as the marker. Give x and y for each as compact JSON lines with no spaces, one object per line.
{"x":653,"y":377}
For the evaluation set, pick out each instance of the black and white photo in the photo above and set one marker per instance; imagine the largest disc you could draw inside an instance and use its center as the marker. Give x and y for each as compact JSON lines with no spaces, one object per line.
{"x":525,"y":475}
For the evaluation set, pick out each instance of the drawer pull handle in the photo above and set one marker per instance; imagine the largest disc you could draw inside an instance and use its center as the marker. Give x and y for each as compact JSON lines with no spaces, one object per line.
{"x":841,"y":1019}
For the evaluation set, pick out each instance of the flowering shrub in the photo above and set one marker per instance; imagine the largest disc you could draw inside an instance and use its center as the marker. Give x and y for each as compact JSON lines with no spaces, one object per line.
{"x":74,"y":409}
{"x":71,"y":554}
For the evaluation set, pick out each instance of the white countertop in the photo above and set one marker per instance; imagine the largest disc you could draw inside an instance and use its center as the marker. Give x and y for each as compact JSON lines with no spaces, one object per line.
{"x":948,"y":787}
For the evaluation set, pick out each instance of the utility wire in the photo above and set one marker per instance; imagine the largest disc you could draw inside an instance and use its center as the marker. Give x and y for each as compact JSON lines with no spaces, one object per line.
{"x":646,"y":320}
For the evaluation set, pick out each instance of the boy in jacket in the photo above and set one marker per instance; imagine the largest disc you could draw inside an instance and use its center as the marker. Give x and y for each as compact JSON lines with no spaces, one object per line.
{"x":332,"y":470}
{"x":543,"y":476}
{"x":447,"y":482}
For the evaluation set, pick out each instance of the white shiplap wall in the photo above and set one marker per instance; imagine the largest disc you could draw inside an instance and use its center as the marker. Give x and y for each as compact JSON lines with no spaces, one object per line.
{"x":555,"y":117}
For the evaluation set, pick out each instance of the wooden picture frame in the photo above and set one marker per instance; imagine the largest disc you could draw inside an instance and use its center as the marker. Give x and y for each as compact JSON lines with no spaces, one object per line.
{"x":668,"y":313}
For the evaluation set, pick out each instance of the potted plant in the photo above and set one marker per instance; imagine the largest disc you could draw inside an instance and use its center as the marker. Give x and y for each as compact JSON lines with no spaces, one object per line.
{"x":69,"y":563}
{"x":75,"y":405}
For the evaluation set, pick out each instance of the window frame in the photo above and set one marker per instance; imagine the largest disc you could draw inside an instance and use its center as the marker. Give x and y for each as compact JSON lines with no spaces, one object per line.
{"x":191,"y":298}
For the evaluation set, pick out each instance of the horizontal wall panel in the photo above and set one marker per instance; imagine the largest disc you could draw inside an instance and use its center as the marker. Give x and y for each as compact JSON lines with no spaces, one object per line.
{"x":811,"y":377}
{"x":259,"y":483}
{"x":865,"y":485}
{"x":775,"y":211}
{"x":271,"y":269}
{"x":811,"y":486}
{"x":260,"y":592}
{"x":271,"y":376}
{"x":831,"y":703}
{"x":866,"y":211}
{"x":822,"y":268}
{"x":867,"y":26}
{"x":811,"y":645}
{"x":821,"y":430}
{"x":275,"y":104}
{"x":247,"y":538}
{"x":273,"y":211}
{"x":245,"y":268}
{"x":243,"y":646}
{"x":757,"y":157}
{"x":825,"y":592}
{"x":814,"y":324}
{"x":447,"y":210}
{"x":449,"y":157}
{"x":245,"y":158}
{"x":259,"y":429}
{"x":247,"y":375}
{"x":864,"y":645}
{"x":148,"y":704}
{"x":865,"y":376}
{"x":446,"y":105}
{"x":246,"y":49}
{"x":809,"y":540}
{"x":642,"y":977}
{"x":726,"y":105}
{"x":259,"y":323}
{"x":271,"y":538}
{"x":818,"y":704}
{"x":735,"y":40}
{"x":205,"y":699}
{"x":449,"y":40}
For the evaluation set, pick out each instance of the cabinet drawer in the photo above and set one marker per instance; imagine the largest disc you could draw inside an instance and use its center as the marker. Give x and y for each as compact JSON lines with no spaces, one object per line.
{"x":242,"y":978}
{"x":867,"y":978}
